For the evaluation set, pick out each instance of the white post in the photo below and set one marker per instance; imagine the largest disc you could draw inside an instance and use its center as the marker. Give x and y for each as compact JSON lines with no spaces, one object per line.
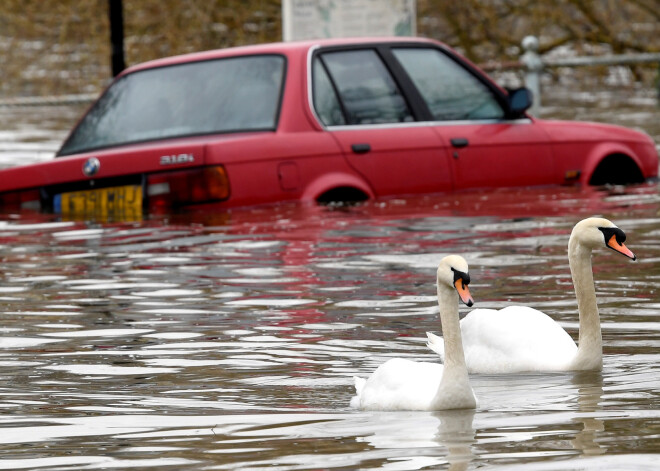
{"x":533,"y":65}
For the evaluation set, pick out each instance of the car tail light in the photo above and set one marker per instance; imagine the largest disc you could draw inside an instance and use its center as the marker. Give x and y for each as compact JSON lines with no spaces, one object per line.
{"x":183,"y":187}
{"x":27,"y":199}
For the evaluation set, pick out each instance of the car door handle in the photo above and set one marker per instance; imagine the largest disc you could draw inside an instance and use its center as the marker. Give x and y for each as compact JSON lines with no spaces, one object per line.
{"x":459,"y":142}
{"x":361,"y":148}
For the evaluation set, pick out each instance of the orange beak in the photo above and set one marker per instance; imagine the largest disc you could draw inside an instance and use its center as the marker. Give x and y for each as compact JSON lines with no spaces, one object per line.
{"x":621,"y":248}
{"x":464,"y":292}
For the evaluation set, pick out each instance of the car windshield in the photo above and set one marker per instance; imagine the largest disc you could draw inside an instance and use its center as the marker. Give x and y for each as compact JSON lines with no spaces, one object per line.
{"x":224,"y":95}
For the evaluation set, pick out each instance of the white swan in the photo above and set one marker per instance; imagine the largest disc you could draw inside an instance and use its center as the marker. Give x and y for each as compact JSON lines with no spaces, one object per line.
{"x":401,"y":384}
{"x":519,"y":338}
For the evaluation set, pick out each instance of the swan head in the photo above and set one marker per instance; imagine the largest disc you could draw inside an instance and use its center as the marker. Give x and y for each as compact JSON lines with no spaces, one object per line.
{"x":596,"y":232}
{"x":453,"y":272}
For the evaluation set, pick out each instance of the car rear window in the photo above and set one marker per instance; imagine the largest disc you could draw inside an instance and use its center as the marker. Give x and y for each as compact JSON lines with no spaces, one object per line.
{"x":224,"y":95}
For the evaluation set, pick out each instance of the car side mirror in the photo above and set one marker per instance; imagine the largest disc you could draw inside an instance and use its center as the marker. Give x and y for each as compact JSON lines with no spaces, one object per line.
{"x":520,"y":100}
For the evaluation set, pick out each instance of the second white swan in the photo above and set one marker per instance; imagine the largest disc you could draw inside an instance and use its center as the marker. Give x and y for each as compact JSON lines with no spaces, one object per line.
{"x":520,"y":338}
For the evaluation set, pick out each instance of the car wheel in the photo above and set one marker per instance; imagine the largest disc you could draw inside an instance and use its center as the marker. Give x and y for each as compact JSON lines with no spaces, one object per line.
{"x":616,"y":170}
{"x":342,"y":194}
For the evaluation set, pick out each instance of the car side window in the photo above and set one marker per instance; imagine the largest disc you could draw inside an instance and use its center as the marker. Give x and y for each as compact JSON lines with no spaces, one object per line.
{"x":367,"y":90}
{"x":326,"y":102}
{"x":450,"y":91}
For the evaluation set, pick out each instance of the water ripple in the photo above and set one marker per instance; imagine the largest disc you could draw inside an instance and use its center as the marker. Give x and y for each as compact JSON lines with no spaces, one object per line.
{"x":233,"y":344}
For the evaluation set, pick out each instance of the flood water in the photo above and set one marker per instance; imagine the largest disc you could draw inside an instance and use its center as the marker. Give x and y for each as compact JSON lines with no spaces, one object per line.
{"x":230,"y":341}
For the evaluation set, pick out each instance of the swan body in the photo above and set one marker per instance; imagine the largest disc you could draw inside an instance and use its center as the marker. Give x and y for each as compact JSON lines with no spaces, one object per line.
{"x":499,"y":341}
{"x":401,"y":384}
{"x":520,"y":338}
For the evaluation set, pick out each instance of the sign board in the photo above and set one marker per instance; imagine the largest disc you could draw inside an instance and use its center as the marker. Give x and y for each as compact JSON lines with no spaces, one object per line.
{"x":313,"y":19}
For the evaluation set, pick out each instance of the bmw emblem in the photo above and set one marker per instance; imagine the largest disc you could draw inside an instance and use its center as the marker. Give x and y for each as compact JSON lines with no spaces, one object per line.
{"x":91,"y":166}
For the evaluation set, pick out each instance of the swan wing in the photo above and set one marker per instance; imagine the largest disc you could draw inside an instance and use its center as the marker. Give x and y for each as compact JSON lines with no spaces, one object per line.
{"x":515,"y":339}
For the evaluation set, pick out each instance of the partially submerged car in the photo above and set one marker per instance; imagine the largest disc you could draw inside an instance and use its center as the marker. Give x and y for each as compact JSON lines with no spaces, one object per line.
{"x":323,"y":120}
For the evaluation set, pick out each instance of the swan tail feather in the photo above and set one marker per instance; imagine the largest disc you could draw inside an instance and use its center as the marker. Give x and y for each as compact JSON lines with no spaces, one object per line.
{"x":436,"y":344}
{"x":359,"y":387}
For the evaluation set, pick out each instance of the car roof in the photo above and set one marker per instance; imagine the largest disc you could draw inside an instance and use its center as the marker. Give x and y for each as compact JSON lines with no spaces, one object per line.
{"x":286,"y":48}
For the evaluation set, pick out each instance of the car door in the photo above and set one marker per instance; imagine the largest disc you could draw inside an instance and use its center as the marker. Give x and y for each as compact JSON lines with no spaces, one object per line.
{"x":469,"y":116}
{"x":362,"y":106}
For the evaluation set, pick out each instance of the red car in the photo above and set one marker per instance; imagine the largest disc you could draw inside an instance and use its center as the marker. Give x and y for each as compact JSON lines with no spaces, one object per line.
{"x":323,"y":120}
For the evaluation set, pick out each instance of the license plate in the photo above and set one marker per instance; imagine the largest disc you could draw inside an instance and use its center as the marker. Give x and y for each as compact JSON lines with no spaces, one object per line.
{"x":119,"y":202}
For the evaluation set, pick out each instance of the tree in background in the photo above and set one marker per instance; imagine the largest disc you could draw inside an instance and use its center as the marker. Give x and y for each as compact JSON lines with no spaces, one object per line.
{"x":492,"y":29}
{"x":62,"y":46}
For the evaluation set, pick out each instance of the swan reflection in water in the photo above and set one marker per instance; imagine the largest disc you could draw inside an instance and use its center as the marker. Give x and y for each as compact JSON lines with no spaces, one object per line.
{"x":590,"y":393}
{"x":457,"y":434}
{"x":432,"y":440}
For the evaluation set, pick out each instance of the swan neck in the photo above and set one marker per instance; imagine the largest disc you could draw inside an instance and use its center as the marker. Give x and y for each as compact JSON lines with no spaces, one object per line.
{"x":454,"y":390}
{"x":590,"y":350}
{"x":451,"y":331}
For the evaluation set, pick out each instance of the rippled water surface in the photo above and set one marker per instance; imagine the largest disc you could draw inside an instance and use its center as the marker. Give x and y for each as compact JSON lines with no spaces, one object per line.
{"x":230,"y":341}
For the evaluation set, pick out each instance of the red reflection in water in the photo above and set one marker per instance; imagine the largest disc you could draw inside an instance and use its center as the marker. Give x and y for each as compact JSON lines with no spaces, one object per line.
{"x":291,"y":220}
{"x":308,"y":233}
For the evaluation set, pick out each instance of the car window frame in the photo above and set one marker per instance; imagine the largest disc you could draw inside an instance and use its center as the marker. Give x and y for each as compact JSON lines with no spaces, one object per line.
{"x":418,"y":107}
{"x":500,"y":97}
{"x":400,"y":81}
{"x":335,"y":90}
{"x":276,"y":121}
